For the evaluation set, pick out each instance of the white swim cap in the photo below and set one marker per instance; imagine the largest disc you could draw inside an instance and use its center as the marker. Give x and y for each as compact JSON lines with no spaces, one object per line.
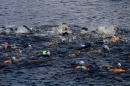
{"x":119,"y":64}
{"x":106,"y":47}
{"x":82,"y":45}
{"x":48,"y":53}
{"x":63,"y":39}
{"x":81,"y":62}
{"x":31,"y":28}
{"x":13,"y":58}
{"x":104,"y":40}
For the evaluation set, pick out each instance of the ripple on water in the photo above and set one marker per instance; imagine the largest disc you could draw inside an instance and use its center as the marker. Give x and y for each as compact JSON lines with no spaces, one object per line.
{"x":43,"y":15}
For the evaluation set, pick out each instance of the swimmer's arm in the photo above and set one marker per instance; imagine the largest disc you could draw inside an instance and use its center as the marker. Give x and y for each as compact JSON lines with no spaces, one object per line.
{"x":7,"y":62}
{"x":85,"y":68}
{"x":76,"y":67}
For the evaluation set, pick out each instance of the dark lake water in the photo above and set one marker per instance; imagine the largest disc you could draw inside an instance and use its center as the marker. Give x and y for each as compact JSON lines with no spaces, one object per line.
{"x":43,"y":14}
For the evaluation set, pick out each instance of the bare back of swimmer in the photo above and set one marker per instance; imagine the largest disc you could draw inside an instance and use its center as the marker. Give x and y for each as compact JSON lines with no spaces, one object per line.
{"x":11,"y":61}
{"x":81,"y":66}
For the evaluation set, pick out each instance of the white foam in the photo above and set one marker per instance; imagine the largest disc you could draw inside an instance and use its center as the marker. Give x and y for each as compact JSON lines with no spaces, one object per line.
{"x":40,"y":34}
{"x":104,"y":31}
{"x":21,"y":29}
{"x":59,"y":29}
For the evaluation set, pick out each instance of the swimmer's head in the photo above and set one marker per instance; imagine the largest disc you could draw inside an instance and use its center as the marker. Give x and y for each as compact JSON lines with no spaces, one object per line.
{"x":65,"y":27}
{"x":29,"y":44}
{"x":13,"y":58}
{"x":82,"y":45}
{"x":105,"y":41}
{"x":31,"y":28}
{"x":81,"y":62}
{"x":119,"y":64}
{"x":105,"y":47}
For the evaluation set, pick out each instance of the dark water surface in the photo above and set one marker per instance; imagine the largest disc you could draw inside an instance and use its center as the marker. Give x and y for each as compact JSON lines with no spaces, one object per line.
{"x":34,"y":71}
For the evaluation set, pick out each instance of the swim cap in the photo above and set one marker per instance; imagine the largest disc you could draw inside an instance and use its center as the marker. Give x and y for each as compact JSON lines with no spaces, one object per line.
{"x":63,"y":39}
{"x":48,"y":53}
{"x":81,"y":62}
{"x":44,"y":52}
{"x":119,"y":64}
{"x":82,"y":45}
{"x":13,"y":58}
{"x":106,"y":47}
{"x":104,"y":40}
{"x":31,"y":28}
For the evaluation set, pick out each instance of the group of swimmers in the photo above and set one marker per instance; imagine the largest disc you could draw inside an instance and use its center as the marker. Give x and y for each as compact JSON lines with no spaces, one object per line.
{"x":116,"y":70}
{"x":81,"y":65}
{"x":105,"y":41}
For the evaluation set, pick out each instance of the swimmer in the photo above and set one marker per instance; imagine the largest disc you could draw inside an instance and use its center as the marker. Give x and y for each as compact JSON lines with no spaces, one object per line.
{"x":65,"y":28}
{"x":46,"y":53}
{"x":115,"y":39}
{"x":82,"y":46}
{"x":119,"y":65}
{"x":101,"y":42}
{"x":27,"y":45}
{"x":64,"y":31}
{"x":6,"y":45}
{"x":81,"y":66}
{"x":83,"y":31}
{"x":105,"y":47}
{"x":30,"y":29}
{"x":104,"y":41}
{"x":11,"y":61}
{"x":63,"y":39}
{"x":85,"y":46}
{"x":117,"y":70}
{"x":106,"y":31}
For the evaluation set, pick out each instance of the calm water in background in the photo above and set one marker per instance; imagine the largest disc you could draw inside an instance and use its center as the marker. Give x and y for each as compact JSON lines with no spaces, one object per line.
{"x":83,"y":13}
{"x":89,"y":13}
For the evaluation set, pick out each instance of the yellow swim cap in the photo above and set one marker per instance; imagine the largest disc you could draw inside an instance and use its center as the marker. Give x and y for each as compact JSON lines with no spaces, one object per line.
{"x":44,"y":52}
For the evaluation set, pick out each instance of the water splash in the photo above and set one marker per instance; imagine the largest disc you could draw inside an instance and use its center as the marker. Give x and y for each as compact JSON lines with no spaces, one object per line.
{"x":106,"y":31}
